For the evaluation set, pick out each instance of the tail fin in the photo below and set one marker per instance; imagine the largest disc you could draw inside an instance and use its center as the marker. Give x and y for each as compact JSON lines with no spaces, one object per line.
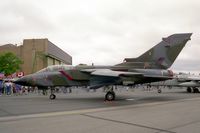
{"x":161,"y":56}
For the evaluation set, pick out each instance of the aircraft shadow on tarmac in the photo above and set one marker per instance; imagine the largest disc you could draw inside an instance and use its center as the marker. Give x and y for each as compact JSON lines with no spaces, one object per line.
{"x":119,"y":100}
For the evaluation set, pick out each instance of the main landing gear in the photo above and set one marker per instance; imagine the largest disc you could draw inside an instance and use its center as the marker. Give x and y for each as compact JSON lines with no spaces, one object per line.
{"x":159,"y":91}
{"x":110,"y":95}
{"x":193,"y":89}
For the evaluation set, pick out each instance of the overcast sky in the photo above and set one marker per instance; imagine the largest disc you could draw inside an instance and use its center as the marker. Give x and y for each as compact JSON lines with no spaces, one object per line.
{"x":104,"y":32}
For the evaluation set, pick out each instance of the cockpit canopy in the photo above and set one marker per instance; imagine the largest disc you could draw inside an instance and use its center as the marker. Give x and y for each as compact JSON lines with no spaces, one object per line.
{"x":56,"y":68}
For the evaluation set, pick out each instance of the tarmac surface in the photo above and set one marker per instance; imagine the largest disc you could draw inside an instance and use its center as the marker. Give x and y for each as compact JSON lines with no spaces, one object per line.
{"x":80,"y":112}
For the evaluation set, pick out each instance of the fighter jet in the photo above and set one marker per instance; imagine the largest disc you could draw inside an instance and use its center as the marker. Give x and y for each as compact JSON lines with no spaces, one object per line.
{"x":192,"y":82}
{"x":149,"y":67}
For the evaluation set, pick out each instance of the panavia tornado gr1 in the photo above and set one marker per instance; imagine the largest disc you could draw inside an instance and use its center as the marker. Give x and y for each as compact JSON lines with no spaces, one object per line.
{"x":149,"y":67}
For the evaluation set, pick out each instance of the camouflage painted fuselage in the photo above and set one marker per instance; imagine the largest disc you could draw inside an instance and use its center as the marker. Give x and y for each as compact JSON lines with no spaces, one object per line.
{"x":80,"y":76}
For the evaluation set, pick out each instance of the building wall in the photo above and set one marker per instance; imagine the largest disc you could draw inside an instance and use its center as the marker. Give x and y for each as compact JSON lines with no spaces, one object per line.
{"x":33,"y":55}
{"x":37,"y":54}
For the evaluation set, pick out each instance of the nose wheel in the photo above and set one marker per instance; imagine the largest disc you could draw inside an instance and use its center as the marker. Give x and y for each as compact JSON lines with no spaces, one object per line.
{"x":52,"y":96}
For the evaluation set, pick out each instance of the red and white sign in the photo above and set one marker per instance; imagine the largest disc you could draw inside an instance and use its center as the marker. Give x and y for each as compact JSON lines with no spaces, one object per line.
{"x":20,"y":74}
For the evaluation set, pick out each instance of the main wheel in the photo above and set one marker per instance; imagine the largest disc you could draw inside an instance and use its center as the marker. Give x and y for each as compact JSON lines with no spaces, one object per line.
{"x":189,"y":90}
{"x":159,"y":90}
{"x":110,"y":96}
{"x":52,"y":96}
{"x":195,"y":90}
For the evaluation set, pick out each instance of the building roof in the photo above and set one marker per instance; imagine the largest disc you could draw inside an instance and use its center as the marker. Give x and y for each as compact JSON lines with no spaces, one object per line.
{"x":55,"y":51}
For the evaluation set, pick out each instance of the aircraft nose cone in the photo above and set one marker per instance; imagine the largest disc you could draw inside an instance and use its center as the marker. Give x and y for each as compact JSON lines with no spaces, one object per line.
{"x":25,"y":81}
{"x":20,"y":81}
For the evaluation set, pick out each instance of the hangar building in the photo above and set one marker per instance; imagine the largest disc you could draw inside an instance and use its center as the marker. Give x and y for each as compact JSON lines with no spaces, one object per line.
{"x":37,"y":54}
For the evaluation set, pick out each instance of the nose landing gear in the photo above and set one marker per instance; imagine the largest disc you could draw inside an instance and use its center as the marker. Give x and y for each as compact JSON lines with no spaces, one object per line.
{"x":52,"y":95}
